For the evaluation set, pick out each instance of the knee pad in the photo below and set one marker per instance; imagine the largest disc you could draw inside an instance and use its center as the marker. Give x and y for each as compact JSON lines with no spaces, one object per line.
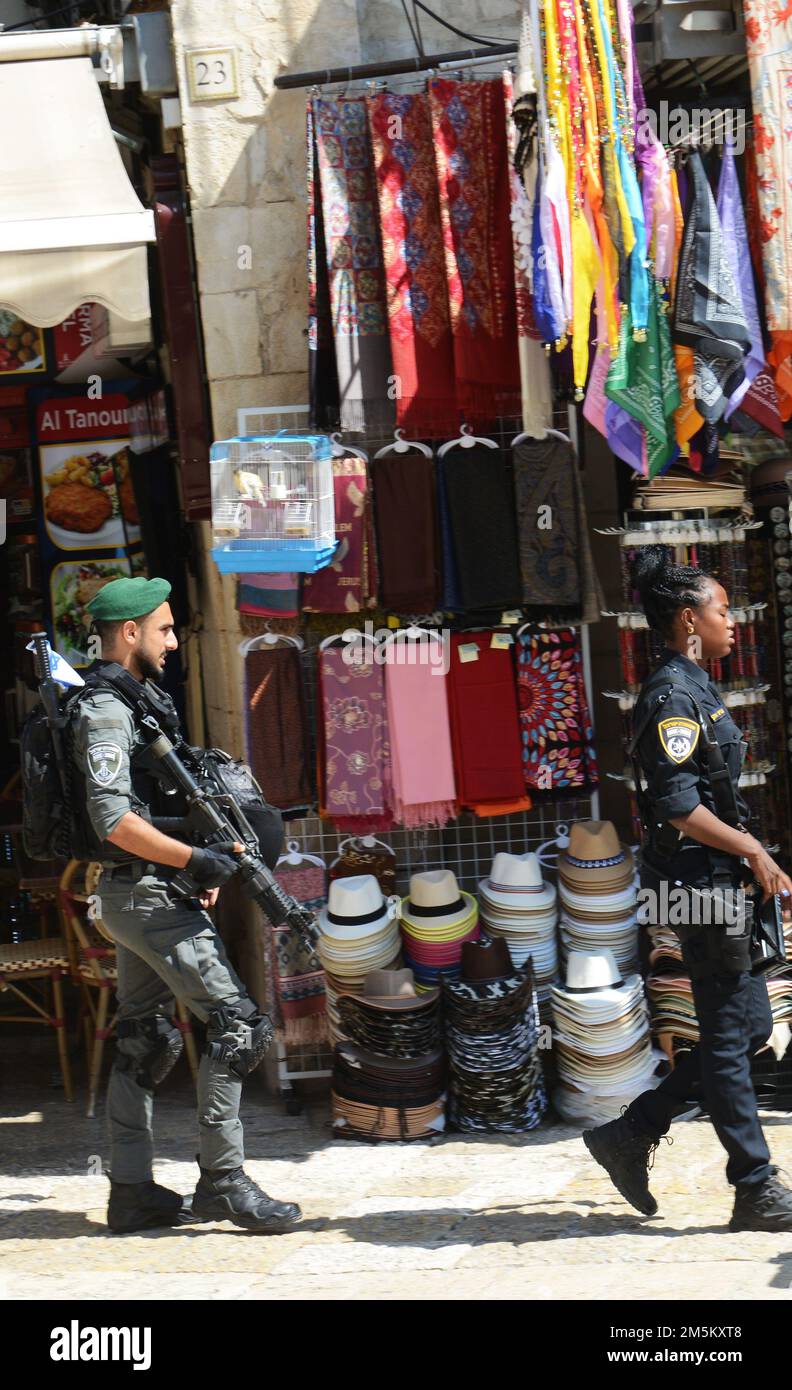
{"x":244,"y":1037}
{"x":165,"y":1048}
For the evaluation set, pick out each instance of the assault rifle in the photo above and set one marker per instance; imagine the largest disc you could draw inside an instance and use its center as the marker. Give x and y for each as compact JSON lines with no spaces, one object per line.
{"x":214,"y":817}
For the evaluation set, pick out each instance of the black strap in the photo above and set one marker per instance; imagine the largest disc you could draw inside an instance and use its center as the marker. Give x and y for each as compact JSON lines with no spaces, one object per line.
{"x":723,"y":793}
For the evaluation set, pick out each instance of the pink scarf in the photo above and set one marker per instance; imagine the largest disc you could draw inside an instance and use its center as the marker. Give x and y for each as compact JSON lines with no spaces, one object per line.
{"x":424,"y":792}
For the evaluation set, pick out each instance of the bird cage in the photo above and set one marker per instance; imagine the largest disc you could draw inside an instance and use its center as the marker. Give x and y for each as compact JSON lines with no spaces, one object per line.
{"x":272,"y":503}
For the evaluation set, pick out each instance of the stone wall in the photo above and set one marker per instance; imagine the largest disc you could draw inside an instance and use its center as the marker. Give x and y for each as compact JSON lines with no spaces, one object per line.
{"x":246,"y":174}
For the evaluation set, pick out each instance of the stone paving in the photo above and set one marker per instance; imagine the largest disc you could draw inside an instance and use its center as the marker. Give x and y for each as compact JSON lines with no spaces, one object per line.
{"x":528,"y":1217}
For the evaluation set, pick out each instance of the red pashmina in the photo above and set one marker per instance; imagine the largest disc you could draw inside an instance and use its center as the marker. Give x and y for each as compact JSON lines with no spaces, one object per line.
{"x":485,"y":728}
{"x":469,"y":124}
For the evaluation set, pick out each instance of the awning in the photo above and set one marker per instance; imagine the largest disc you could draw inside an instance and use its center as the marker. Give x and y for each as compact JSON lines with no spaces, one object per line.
{"x":72,"y":228}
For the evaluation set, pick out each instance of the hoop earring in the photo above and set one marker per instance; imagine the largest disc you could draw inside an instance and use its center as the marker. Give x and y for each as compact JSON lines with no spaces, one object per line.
{"x":691,"y":630}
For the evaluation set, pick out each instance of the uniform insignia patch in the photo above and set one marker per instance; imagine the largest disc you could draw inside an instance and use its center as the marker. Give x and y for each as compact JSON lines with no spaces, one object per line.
{"x":104,"y":762}
{"x":678,"y":738}
{"x":718,"y":714}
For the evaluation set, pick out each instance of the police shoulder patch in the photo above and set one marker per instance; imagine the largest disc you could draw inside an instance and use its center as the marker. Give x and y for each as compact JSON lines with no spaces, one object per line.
{"x":104,"y":762}
{"x":678,"y":738}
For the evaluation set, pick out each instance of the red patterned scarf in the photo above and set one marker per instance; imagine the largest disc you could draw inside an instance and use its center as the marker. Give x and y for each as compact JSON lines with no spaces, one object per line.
{"x":353,"y":741}
{"x":412,"y":245}
{"x":346,"y":585}
{"x":469,"y":124}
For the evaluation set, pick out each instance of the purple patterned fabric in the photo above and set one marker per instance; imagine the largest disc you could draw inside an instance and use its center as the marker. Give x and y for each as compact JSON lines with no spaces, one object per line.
{"x":355,"y":727}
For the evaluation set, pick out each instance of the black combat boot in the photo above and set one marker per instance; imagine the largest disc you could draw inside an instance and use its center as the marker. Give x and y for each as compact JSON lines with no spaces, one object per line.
{"x":626,"y":1153}
{"x":140,"y":1206}
{"x":230,"y":1195}
{"x":762,"y":1206}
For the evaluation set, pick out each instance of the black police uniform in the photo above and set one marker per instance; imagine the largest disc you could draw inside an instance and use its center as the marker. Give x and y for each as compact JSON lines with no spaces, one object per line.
{"x":733,"y":1009}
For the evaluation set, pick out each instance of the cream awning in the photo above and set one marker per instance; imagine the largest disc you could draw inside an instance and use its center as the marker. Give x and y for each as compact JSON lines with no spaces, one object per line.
{"x":72,"y":228}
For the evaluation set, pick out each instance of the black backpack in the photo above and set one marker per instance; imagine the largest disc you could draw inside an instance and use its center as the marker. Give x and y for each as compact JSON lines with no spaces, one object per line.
{"x":47,"y":813}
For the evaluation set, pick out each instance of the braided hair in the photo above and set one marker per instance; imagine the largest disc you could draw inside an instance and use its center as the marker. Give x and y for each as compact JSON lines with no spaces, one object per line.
{"x":664,"y":587}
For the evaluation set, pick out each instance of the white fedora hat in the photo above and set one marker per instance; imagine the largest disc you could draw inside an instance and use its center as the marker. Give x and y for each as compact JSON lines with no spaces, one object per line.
{"x":515,"y":881}
{"x":356,"y":909}
{"x":436,"y":901}
{"x":594,"y":984}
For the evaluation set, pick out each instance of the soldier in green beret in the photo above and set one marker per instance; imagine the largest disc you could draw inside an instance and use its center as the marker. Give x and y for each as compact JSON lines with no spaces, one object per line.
{"x":167,"y":947}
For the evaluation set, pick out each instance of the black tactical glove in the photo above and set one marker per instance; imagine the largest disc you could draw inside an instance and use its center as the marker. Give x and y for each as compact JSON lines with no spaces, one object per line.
{"x":211,"y":868}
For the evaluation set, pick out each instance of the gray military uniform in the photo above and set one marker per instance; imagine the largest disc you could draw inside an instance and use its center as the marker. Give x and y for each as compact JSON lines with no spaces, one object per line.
{"x":166,"y":948}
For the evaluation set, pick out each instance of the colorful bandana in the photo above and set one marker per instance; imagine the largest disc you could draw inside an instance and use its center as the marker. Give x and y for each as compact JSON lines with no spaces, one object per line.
{"x":708,"y":312}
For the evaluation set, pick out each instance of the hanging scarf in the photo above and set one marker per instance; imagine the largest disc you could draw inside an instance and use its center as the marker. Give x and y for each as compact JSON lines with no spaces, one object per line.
{"x":450,"y":597}
{"x":768,"y":32}
{"x":354,"y":259}
{"x":469,"y":125}
{"x":735,"y":237}
{"x":485,"y":731}
{"x":412,"y":243}
{"x":535,"y":383}
{"x":301,"y":1004}
{"x":643,"y":381}
{"x":404,"y":508}
{"x":424,"y":791}
{"x":557,"y":735}
{"x":548,"y":304}
{"x":555,"y":559}
{"x":353,"y":750}
{"x":269,"y":595}
{"x":322,"y":373}
{"x":275,"y":725}
{"x":346,"y":584}
{"x":708,"y":314}
{"x":480,"y":499}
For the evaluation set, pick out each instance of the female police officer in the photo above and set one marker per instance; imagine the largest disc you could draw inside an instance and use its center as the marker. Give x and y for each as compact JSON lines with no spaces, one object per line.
{"x":696,"y":840}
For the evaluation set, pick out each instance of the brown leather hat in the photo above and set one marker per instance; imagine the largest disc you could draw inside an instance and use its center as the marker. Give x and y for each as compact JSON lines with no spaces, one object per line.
{"x":487,"y":959}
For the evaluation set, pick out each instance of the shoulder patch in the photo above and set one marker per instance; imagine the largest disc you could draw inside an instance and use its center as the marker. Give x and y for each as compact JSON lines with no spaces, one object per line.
{"x":678,"y":737}
{"x":104,"y":762}
{"x":717,"y":714}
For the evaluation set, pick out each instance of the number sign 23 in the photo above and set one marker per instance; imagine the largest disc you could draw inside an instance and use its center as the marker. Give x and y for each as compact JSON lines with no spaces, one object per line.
{"x":212,"y":74}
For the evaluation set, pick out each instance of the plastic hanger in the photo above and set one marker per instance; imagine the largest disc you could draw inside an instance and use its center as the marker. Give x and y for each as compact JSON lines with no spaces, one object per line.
{"x":269,"y":639}
{"x":297,"y":856}
{"x":465,"y":440}
{"x":364,"y":842}
{"x":526,"y":434}
{"x":550,"y":849}
{"x":339,"y":449}
{"x":349,"y":635}
{"x":411,"y":631}
{"x":400,"y":445}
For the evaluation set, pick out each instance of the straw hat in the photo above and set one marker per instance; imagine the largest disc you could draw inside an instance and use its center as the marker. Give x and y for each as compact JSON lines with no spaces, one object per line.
{"x":595,"y":860}
{"x":436,"y":905}
{"x":515,"y":884}
{"x":594,"y":985}
{"x":356,"y":911}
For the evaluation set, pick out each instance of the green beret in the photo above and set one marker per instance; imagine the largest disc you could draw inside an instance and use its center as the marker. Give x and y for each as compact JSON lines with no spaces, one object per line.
{"x":128,"y":598}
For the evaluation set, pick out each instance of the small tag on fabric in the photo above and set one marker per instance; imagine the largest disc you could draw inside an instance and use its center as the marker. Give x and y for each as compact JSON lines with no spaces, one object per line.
{"x":717,"y":714}
{"x":512,"y":615}
{"x":469,"y":652}
{"x":678,"y":738}
{"x":502,"y":639}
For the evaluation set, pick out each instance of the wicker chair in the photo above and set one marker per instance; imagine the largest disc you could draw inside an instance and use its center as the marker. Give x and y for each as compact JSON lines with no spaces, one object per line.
{"x":92,"y":963}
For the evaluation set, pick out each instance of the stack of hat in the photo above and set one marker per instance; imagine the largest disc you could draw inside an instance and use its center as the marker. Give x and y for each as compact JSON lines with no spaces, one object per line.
{"x":596,"y":884}
{"x":436,"y":919}
{"x":359,"y":933}
{"x":517,"y":905}
{"x":601,"y":1039}
{"x":389,"y":1080}
{"x":496,"y":1083}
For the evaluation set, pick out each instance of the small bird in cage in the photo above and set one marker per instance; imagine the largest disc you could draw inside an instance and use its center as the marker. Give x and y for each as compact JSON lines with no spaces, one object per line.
{"x":250,"y":486}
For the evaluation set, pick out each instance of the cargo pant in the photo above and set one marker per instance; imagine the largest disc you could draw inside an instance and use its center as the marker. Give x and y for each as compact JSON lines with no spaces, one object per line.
{"x":735,"y":1021}
{"x":166,"y":949}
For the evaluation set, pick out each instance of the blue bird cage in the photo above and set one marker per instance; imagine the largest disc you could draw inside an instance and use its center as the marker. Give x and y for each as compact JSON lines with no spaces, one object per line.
{"x":273,"y":506}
